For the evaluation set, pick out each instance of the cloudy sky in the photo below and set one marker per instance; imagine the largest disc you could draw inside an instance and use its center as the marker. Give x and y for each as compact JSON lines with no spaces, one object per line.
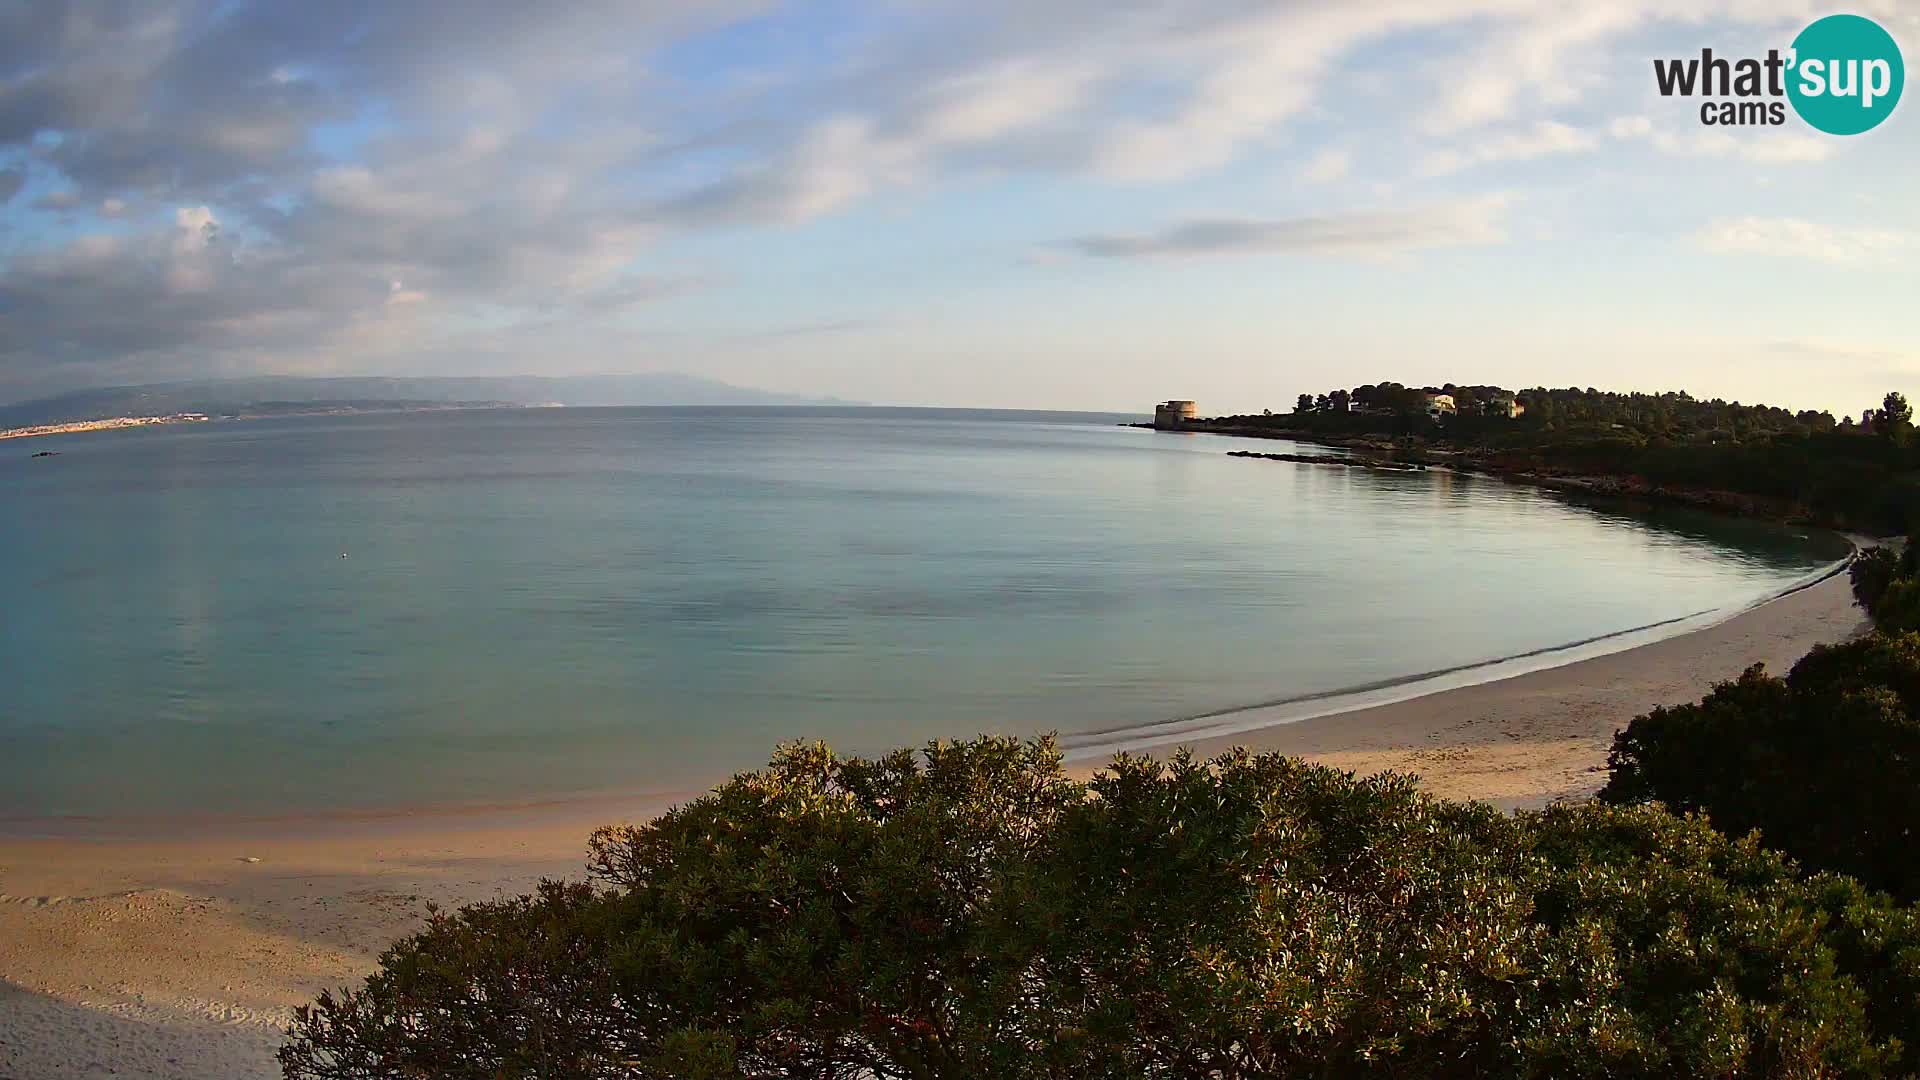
{"x":977,"y":202}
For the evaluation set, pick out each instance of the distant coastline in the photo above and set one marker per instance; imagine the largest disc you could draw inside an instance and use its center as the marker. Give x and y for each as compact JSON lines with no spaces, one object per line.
{"x":287,"y":395}
{"x":77,"y":426}
{"x":260,"y":411}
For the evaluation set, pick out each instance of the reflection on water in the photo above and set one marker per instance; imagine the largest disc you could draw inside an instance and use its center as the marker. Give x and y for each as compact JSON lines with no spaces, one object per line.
{"x":369,"y":611}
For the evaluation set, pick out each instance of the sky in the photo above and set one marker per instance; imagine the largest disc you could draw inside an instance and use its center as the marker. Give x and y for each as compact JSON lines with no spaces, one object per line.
{"x":1068,"y":204}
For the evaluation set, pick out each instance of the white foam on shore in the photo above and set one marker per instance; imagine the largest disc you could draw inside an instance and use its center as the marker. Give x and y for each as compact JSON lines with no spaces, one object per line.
{"x":1091,"y":745}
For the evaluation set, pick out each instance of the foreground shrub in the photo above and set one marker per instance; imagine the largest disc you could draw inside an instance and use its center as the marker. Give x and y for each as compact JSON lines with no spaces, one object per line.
{"x":1872,"y":571}
{"x":969,"y":911}
{"x":1886,"y":583}
{"x":1825,"y":763}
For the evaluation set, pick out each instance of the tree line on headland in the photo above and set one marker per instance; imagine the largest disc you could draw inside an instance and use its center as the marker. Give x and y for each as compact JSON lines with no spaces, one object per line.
{"x":1806,"y":465}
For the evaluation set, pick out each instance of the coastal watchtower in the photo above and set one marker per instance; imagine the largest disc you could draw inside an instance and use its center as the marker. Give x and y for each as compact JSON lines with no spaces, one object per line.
{"x":1173,"y":415}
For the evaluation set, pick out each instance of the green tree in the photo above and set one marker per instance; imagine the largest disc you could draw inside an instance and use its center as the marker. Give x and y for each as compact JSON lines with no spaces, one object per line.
{"x":1755,"y":459}
{"x":1886,"y":582}
{"x":1895,"y":417}
{"x":1873,"y":570}
{"x":1824,"y":763}
{"x":971,"y":911}
{"x":1304,"y":404}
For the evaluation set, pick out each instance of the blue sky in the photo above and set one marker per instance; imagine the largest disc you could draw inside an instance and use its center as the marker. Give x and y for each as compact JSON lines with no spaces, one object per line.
{"x":1070,"y":205}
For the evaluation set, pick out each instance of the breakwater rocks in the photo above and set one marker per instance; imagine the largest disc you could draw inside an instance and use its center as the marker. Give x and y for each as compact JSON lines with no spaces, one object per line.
{"x":1332,"y":459}
{"x":1636,"y":489}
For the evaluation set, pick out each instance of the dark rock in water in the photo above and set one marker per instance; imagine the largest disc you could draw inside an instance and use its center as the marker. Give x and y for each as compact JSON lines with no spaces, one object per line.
{"x":48,"y":453}
{"x":1331,"y":459}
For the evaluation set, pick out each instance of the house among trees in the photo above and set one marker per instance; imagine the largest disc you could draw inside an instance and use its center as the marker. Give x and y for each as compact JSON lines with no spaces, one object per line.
{"x":1436,"y":403}
{"x":1502,"y":403}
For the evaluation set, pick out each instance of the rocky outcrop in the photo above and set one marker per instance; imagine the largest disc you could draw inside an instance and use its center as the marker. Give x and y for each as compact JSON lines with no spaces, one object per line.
{"x":1333,"y":459}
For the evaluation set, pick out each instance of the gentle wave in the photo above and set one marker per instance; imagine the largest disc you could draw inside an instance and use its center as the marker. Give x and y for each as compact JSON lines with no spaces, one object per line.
{"x":1239,"y":719}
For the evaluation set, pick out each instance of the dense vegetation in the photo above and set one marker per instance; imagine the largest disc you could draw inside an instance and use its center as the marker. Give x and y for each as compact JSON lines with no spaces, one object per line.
{"x":1825,"y":763}
{"x":1886,"y":582}
{"x":1863,"y":475}
{"x":970,"y":911}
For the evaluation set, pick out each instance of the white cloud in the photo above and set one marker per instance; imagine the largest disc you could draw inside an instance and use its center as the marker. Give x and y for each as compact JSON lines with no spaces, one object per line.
{"x":1545,"y":138}
{"x":1798,"y":239}
{"x":508,"y":161}
{"x":1327,"y":166}
{"x":1531,"y":59}
{"x":1630,"y":127}
{"x":1769,"y":148}
{"x":1166,"y":90}
{"x":357,"y":189}
{"x":981,"y":105}
{"x":1762,"y":146}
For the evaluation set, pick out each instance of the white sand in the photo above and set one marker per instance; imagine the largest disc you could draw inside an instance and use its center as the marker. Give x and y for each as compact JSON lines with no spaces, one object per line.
{"x":174,"y":957}
{"x":1528,"y":740}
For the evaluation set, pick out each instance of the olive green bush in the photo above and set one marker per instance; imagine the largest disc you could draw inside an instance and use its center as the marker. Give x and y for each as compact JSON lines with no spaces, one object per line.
{"x":970,"y":911}
{"x":1825,"y":763}
{"x":1873,"y":570}
{"x":1886,"y":583}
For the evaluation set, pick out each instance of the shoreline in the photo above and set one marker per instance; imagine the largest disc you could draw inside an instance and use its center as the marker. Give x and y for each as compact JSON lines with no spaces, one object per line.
{"x":1251,"y":719}
{"x":1382,"y":452}
{"x":182,"y":956}
{"x":1097,"y":744}
{"x":116,"y":423}
{"x":1525,"y":741}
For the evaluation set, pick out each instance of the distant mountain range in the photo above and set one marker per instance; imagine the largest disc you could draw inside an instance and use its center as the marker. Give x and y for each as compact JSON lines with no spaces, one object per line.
{"x":281,"y":394}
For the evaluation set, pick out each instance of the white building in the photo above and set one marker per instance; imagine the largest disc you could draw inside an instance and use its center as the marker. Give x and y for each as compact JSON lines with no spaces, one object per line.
{"x":1439,"y":404}
{"x":1503,"y":405}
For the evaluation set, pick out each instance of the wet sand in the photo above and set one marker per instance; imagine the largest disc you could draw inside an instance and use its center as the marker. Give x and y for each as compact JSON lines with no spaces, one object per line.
{"x":183,"y":955}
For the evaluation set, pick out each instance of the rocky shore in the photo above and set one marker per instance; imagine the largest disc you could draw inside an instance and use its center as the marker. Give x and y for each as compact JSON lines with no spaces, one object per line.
{"x":1332,"y":459}
{"x":1387,"y":454}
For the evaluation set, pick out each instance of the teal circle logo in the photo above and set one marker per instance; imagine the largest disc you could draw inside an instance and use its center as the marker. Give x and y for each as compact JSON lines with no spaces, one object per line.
{"x":1846,"y":74}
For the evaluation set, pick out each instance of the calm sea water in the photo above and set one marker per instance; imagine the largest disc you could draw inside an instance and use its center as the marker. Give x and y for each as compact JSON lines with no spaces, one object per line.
{"x":372,"y":611}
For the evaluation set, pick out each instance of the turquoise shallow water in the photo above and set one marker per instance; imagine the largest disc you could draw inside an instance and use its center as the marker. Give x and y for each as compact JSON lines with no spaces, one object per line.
{"x":539,"y":603}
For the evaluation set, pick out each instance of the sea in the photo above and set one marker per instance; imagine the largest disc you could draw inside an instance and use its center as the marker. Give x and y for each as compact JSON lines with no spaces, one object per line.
{"x":378,"y":612}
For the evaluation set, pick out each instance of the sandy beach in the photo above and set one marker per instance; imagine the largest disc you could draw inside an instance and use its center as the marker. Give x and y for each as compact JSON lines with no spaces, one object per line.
{"x":181,"y":954}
